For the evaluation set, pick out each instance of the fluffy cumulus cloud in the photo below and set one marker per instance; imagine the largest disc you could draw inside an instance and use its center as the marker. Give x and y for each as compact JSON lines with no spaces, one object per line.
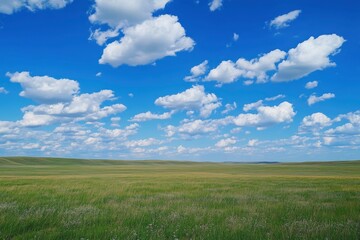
{"x":12,"y":6}
{"x":146,"y":116}
{"x":315,"y":122}
{"x":252,"y":106}
{"x":228,"y":71}
{"x":351,"y":127}
{"x":85,"y":107}
{"x":118,"y":133}
{"x":215,"y":5}
{"x":267,"y":116}
{"x":59,"y":101}
{"x":144,"y":38}
{"x":142,"y":143}
{"x":257,"y":68}
{"x":309,"y":56}
{"x":197,"y":127}
{"x":225,"y":72}
{"x":67,"y":139}
{"x":122,"y":13}
{"x":194,"y":98}
{"x":223,"y":143}
{"x":315,"y":99}
{"x":253,"y":143}
{"x":31,"y":119}
{"x":283,"y":21}
{"x":45,"y":89}
{"x":147,"y":42}
{"x":311,"y":85}
{"x":197,"y":71}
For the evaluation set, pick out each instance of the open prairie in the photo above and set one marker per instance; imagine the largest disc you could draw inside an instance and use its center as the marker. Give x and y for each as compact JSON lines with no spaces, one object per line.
{"x":87,"y":199}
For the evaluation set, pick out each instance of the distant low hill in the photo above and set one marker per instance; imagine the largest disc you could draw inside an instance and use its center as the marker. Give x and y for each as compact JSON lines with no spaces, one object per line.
{"x":92,"y":162}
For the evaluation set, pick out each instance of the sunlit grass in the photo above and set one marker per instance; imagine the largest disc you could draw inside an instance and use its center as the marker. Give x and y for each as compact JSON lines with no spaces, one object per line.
{"x":73,"y":199}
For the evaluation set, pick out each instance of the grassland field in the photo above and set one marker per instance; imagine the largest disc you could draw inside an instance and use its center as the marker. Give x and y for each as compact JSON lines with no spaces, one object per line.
{"x":49,"y":198}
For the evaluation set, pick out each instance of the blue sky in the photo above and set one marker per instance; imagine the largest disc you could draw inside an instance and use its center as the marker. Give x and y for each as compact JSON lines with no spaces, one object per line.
{"x":185,"y":80}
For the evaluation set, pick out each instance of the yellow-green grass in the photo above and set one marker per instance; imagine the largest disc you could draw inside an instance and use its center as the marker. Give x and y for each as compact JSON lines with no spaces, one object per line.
{"x":85,"y":199}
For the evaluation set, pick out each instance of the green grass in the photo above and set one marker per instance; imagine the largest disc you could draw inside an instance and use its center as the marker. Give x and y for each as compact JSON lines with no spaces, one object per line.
{"x":88,"y":199}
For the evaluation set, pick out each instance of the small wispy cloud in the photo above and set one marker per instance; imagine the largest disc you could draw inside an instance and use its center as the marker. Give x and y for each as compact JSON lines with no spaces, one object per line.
{"x":215,"y":4}
{"x":283,"y":21}
{"x":314,"y":99}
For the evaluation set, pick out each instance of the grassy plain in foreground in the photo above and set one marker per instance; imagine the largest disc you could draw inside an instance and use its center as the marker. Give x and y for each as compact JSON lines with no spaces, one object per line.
{"x":48,"y":198}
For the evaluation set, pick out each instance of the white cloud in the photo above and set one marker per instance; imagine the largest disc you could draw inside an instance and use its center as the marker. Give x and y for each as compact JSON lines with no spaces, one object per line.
{"x":59,"y":104}
{"x":235,"y":37}
{"x":123,"y":13}
{"x":115,"y":121}
{"x":353,"y":117}
{"x":3,"y":90}
{"x":253,"y":143}
{"x":225,"y":72}
{"x":284,"y":20}
{"x":257,"y":68}
{"x":101,"y":37}
{"x":142,"y":117}
{"x":98,"y":74}
{"x":147,"y":42}
{"x":12,"y":6}
{"x":316,"y":119}
{"x":6,"y":127}
{"x":352,"y":127}
{"x":31,"y":119}
{"x":181,"y":149}
{"x":44,"y":89}
{"x":280,"y":96}
{"x":248,"y":82}
{"x":120,"y":133}
{"x":83,"y":107}
{"x":314,"y":99}
{"x":31,"y":146}
{"x":186,"y":150}
{"x":267,"y":116}
{"x":92,"y":140}
{"x":252,"y":106}
{"x":223,"y":143}
{"x":229,"y":107}
{"x":309,"y":56}
{"x":145,"y":38}
{"x":215,"y":4}
{"x":142,"y":143}
{"x":257,"y":104}
{"x":311,"y":85}
{"x":193,"y":98}
{"x":328,"y":140}
{"x":348,"y":129}
{"x":197,"y":71}
{"x":314,"y":122}
{"x":119,"y":14}
{"x":228,"y":71}
{"x":197,"y":127}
